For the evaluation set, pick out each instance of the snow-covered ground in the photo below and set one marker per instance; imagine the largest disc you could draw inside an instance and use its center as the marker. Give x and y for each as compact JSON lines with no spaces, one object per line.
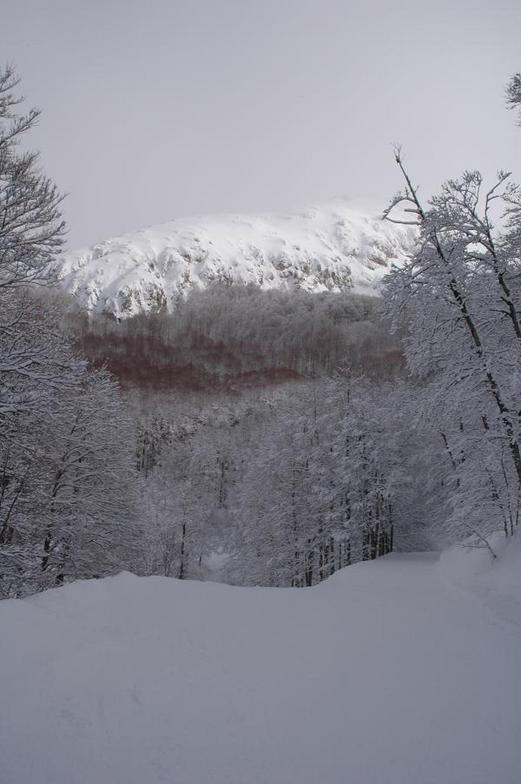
{"x":337,"y":246}
{"x":400,"y":671}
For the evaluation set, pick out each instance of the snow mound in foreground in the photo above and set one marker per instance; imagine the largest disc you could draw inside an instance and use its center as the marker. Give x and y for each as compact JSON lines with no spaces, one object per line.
{"x":339,"y":246}
{"x":385,"y":674}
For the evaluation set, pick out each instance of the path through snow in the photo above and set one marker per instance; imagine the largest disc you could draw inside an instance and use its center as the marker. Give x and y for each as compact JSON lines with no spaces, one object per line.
{"x":385,"y":674}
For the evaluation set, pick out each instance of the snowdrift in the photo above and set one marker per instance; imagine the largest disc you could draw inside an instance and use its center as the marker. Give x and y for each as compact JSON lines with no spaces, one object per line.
{"x":387,"y":673}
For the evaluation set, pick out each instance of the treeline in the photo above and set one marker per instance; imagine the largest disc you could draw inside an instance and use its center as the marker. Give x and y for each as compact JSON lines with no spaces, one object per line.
{"x":286,"y":488}
{"x":231,"y":337}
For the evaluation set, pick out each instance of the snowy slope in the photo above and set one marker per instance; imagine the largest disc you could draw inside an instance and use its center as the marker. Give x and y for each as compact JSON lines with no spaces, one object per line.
{"x":388,"y":673}
{"x":337,"y":246}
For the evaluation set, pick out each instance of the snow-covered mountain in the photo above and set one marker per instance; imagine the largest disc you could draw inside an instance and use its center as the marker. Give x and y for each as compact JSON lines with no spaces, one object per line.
{"x":341,"y":245}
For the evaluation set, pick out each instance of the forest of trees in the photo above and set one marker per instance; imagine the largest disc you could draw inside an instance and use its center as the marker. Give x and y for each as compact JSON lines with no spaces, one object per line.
{"x":229,"y":337}
{"x":258,"y":437}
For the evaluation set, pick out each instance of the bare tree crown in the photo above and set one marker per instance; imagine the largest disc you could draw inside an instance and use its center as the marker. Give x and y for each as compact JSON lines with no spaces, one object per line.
{"x":31,"y":226}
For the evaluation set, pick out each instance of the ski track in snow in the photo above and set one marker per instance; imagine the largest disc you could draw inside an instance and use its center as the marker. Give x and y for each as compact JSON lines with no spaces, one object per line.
{"x":387,"y":673}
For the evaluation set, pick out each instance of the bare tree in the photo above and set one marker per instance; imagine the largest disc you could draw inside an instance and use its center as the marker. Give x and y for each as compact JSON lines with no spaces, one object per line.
{"x":31,"y":227}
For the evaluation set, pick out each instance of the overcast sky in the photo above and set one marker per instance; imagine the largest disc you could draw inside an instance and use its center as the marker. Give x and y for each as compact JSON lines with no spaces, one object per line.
{"x":155,"y":109}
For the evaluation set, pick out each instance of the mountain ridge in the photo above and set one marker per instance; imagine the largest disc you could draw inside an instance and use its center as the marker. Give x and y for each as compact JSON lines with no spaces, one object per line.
{"x":340,"y":245}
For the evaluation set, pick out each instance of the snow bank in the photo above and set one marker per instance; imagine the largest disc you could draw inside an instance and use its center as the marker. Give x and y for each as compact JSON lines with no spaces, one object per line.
{"x":385,"y":674}
{"x":495,"y":581}
{"x":338,"y":246}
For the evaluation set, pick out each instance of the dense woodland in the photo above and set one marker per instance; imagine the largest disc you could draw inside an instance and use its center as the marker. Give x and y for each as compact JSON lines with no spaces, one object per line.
{"x":257,"y":437}
{"x":230,"y":337}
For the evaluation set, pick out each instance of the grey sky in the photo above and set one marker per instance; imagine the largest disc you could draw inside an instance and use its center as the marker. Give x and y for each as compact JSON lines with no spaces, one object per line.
{"x":155,"y":109}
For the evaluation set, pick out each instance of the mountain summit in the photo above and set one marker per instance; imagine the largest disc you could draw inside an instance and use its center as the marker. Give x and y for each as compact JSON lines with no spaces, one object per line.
{"x":342,"y":245}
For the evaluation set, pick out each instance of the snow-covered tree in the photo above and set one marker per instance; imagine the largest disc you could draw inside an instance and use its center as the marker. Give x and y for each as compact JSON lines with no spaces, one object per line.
{"x":68,"y":487}
{"x":513,"y":93}
{"x":31,"y":228}
{"x":458,"y":302}
{"x":67,"y":503}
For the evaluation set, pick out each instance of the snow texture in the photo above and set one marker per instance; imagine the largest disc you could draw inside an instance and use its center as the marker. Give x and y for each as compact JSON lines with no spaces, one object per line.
{"x":388,"y":673}
{"x":341,"y":245}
